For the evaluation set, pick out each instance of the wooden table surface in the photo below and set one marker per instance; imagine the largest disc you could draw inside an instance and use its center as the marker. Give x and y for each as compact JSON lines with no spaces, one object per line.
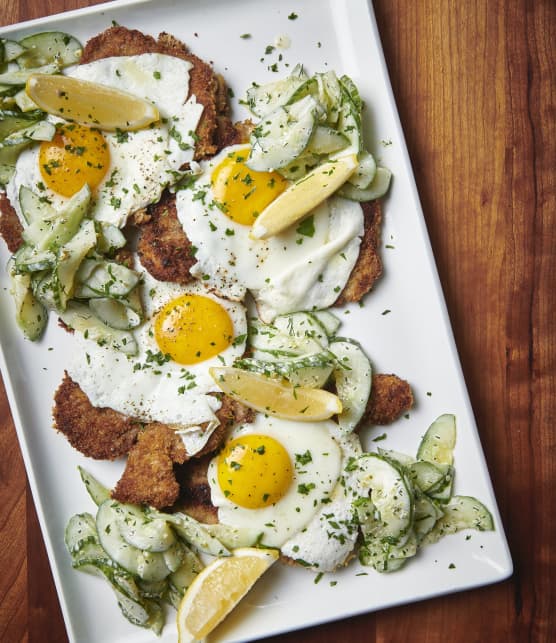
{"x":475,"y":85}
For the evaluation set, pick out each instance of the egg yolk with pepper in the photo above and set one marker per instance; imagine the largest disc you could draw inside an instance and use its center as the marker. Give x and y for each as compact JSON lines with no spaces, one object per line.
{"x":254,"y":471}
{"x":75,"y":156}
{"x":192,"y":328}
{"x":241,"y":193}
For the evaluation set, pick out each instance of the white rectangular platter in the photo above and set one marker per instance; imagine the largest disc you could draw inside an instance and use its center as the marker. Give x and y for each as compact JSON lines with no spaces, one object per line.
{"x":403,"y":327}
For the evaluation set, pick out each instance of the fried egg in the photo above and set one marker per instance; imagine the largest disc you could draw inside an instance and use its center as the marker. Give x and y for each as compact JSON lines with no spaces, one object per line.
{"x":305,"y":267}
{"x":187,"y":330}
{"x":281,"y":478}
{"x":125,"y":170}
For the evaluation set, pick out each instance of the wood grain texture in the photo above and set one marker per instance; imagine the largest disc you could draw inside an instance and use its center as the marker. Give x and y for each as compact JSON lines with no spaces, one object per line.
{"x":475,"y":84}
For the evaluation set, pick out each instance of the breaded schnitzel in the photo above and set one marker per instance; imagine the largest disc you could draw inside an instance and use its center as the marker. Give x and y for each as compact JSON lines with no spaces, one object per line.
{"x":390,"y":397}
{"x":368,"y":267}
{"x":152,"y":448}
{"x":102,"y":434}
{"x":10,"y":226}
{"x":166,"y":251}
{"x":163,"y":248}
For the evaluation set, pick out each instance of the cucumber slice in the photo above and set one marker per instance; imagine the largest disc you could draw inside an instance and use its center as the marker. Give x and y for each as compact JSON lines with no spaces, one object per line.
{"x":12,"y":50}
{"x":389,"y":514}
{"x":425,"y":516}
{"x":115,"y":313}
{"x":25,"y":103}
{"x":307,"y":88}
{"x":173,"y":556}
{"x":51,"y":234}
{"x":7,"y":93}
{"x":149,"y":566}
{"x":27,"y":259}
{"x":437,"y":445}
{"x":353,"y":381}
{"x":303,"y":329}
{"x":106,"y":279}
{"x":377,"y":189}
{"x":462,"y":512}
{"x":110,"y":238}
{"x":282,"y":135}
{"x":351,"y":88}
{"x":385,"y":556}
{"x":399,"y":459}
{"x":194,"y":533}
{"x":300,"y":166}
{"x":90,"y":554}
{"x":8,"y":158}
{"x":49,"y":47}
{"x":40,"y":131}
{"x":326,"y":140}
{"x":330,"y":94}
{"x":6,"y":172}
{"x":70,"y":257}
{"x":30,"y":314}
{"x":79,"y":318}
{"x":140,"y":530}
{"x":33,"y":207}
{"x":45,"y":288}
{"x":136,"y":610}
{"x":309,"y":370}
{"x":427,"y":475}
{"x":182,"y":578}
{"x":365,"y":171}
{"x":288,"y":336}
{"x":328,"y":321}
{"x":269,"y":343}
{"x":349,"y":124}
{"x":264,"y":99}
{"x":152,"y":589}
{"x":442,"y":491}
{"x":11,"y":121}
{"x":80,"y":531}
{"x":234,"y":537}
{"x":21,"y":76}
{"x":98,"y":492}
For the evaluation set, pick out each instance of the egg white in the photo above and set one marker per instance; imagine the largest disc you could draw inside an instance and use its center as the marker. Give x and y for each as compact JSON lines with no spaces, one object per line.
{"x":285,"y":273}
{"x":143,"y":388}
{"x":280,"y":521}
{"x":329,"y":538}
{"x":143,"y":162}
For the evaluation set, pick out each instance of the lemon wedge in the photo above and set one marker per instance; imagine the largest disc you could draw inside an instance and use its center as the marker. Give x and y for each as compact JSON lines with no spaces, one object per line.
{"x":302,"y":196}
{"x":274,"y":397}
{"x":218,"y":589}
{"x":90,"y":103}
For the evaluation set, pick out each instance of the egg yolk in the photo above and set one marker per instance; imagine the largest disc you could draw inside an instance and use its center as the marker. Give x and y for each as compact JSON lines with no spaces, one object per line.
{"x":192,"y":328}
{"x":241,"y":193}
{"x":254,"y":471}
{"x":75,"y":156}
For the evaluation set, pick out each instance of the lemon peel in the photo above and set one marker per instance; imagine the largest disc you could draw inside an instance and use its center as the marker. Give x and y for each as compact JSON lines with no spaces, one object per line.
{"x":90,"y":103}
{"x":275,"y":397}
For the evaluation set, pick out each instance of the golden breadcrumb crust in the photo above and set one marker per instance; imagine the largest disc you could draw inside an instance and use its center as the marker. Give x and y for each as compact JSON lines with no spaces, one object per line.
{"x":99,"y":433}
{"x":152,"y":448}
{"x":163,"y":248}
{"x":10,"y":226}
{"x":368,"y":267}
{"x":390,"y":397}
